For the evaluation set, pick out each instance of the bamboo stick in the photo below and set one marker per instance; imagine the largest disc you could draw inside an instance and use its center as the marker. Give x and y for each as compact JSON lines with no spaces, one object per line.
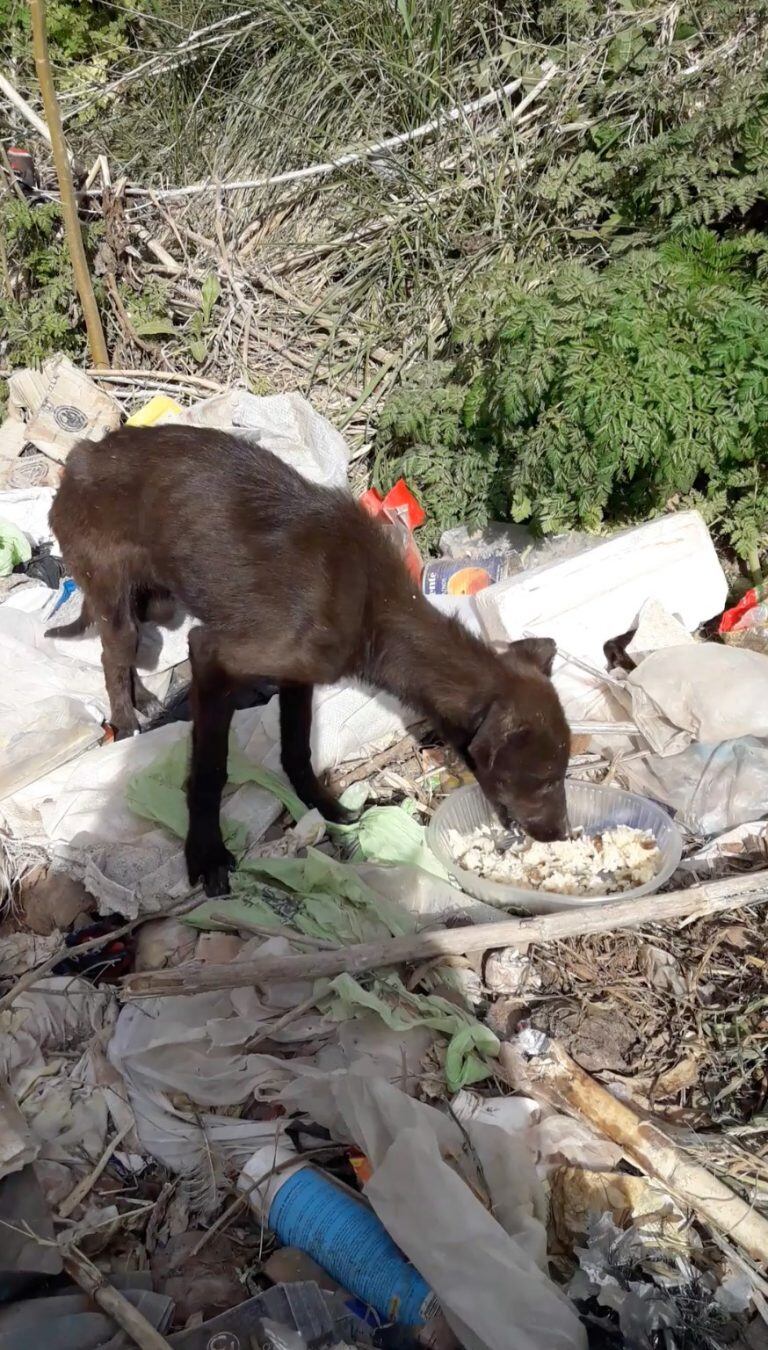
{"x":556,"y":1078}
{"x":96,"y":340}
{"x":12,"y":95}
{"x":111,"y":1301}
{"x":696,"y":902}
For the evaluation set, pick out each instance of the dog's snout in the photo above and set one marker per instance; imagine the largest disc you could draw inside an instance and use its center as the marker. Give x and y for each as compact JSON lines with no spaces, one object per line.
{"x":546,"y":832}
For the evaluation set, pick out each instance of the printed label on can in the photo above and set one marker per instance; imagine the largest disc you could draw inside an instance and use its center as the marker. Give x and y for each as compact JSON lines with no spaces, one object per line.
{"x":461,"y":576}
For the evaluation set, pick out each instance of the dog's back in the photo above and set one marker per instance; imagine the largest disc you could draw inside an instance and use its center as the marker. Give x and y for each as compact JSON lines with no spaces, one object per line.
{"x":241,"y":539}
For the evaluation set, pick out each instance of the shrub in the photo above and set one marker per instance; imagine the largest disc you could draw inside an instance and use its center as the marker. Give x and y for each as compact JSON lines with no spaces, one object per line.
{"x":599,"y":396}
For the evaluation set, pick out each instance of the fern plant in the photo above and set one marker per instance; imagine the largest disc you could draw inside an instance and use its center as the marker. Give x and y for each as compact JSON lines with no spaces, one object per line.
{"x":599,"y":396}
{"x":38,"y":313}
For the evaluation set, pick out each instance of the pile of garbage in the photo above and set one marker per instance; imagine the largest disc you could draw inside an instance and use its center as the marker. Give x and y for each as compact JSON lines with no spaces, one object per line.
{"x":292,"y":1117}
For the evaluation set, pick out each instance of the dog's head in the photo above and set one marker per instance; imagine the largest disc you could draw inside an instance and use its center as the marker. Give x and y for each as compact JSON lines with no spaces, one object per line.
{"x":521,"y":748}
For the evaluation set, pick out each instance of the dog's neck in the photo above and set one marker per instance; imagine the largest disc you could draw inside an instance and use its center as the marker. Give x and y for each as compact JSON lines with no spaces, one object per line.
{"x":433,"y":664}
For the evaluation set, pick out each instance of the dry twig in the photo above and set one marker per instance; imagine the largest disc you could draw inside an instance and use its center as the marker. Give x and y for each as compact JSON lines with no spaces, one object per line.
{"x":731,"y":893}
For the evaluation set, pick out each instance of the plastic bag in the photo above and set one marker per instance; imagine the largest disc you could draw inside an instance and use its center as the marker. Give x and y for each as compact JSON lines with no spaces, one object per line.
{"x":701,"y":692}
{"x":710,"y":788}
{"x":286,"y":424}
{"x":485,"y":1270}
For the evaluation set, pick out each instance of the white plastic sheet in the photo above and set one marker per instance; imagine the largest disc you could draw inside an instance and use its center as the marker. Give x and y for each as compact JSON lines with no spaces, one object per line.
{"x":79,"y":811}
{"x":710,"y":788}
{"x":486,"y":1271}
{"x":584,"y":600}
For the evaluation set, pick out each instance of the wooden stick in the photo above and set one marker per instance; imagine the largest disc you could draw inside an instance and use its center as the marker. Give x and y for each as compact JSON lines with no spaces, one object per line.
{"x":161,"y":376}
{"x":20,"y":104}
{"x":84,"y":1187}
{"x":696,"y":902}
{"x":111,"y":1301}
{"x":557,"y":1078}
{"x":96,"y":341}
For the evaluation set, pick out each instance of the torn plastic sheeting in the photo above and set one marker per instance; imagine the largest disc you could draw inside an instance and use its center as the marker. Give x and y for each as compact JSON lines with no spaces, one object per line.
{"x":79,"y":813}
{"x":20,"y":952}
{"x":17,"y":1147}
{"x":329,"y":900}
{"x":390,"y":834}
{"x":429,"y":899}
{"x":28,"y":510}
{"x":706,"y":693}
{"x":191,"y":1050}
{"x":50,"y":708}
{"x":159,"y":650}
{"x":79,"y":809}
{"x":285,"y":424}
{"x":488,"y":1277}
{"x":158,"y":794}
{"x":709,"y":788}
{"x":66,"y":1107}
{"x":56,"y":1013}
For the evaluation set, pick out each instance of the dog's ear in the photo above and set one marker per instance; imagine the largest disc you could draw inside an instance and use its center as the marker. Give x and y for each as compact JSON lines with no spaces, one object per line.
{"x":538,"y":651}
{"x":496,"y":732}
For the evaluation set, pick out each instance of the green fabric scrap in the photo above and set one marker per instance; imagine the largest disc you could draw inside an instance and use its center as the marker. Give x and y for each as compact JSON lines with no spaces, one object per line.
{"x":401,"y":1010}
{"x":390,"y":834}
{"x":158,"y":793}
{"x":329,"y":900}
{"x":15,"y":548}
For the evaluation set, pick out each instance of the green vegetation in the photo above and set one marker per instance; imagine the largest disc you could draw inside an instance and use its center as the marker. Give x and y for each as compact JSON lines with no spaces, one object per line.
{"x":37,"y":312}
{"x":572,"y":302}
{"x":85,"y":37}
{"x":600,"y":395}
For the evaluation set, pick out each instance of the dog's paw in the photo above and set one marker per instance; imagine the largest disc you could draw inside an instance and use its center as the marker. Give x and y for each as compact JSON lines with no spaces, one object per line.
{"x":209,"y":861}
{"x":127,"y":728}
{"x":334,"y":813}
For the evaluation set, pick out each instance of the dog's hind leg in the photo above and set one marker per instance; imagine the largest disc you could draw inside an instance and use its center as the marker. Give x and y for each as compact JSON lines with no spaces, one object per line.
{"x":208,"y":858}
{"x":77,"y":627}
{"x":119,"y":642}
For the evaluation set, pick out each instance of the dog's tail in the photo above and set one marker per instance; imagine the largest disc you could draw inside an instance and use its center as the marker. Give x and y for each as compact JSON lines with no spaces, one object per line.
{"x":77,"y":627}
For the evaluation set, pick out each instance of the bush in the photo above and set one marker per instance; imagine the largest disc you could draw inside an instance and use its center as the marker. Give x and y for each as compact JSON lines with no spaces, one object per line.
{"x":38,"y":312}
{"x":599,"y":396}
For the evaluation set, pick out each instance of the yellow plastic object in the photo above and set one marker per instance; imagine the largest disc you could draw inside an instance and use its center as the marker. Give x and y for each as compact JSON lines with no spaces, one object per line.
{"x":159,"y":406}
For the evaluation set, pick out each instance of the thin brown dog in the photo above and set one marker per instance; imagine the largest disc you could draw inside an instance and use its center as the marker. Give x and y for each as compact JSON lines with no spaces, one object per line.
{"x":295,"y":583}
